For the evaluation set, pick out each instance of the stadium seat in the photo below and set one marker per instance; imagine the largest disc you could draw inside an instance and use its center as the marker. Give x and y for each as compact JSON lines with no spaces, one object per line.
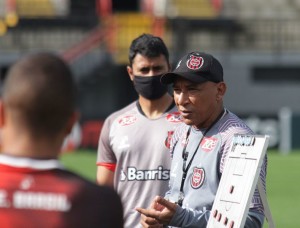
{"x":35,"y":8}
{"x":192,"y":9}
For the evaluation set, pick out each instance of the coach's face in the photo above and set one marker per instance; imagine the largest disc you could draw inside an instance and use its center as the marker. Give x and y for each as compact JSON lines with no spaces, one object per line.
{"x":199,"y":104}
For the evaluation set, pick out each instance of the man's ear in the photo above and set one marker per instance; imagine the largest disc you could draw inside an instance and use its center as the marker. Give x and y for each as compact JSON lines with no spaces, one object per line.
{"x":130,"y":72}
{"x":72,"y":120}
{"x":2,"y":119}
{"x":221,"y":90}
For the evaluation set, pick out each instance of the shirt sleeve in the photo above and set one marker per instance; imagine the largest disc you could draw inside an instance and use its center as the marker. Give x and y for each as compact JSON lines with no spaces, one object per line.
{"x":105,"y":152}
{"x":186,"y":217}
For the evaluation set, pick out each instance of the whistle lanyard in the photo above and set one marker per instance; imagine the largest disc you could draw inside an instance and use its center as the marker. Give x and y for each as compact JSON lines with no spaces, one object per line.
{"x":185,"y":155}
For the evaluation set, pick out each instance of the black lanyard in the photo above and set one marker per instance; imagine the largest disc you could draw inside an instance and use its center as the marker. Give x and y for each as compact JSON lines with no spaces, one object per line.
{"x":185,"y":155}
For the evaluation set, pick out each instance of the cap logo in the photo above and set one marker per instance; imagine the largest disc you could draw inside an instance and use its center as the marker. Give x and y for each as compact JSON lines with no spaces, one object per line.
{"x":195,"y":62}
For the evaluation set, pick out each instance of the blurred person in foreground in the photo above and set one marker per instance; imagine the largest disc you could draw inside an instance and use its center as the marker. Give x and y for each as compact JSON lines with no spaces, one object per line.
{"x":37,"y":111}
{"x":133,"y":151}
{"x":199,"y":146}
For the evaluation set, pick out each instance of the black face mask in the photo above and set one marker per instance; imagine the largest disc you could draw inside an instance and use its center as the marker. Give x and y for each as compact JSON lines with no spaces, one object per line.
{"x":149,"y":87}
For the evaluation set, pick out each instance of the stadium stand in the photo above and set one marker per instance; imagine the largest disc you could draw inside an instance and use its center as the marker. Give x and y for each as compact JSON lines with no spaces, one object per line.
{"x":35,"y":8}
{"x":252,"y":33}
{"x":192,"y":9}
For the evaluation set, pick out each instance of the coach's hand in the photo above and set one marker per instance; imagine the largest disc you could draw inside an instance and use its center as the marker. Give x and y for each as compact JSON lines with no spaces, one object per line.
{"x":160,"y":213}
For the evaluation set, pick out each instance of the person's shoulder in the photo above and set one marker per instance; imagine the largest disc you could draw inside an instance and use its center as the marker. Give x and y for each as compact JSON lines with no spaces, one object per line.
{"x":83,"y":183}
{"x":69,"y":176}
{"x":95,"y":201}
{"x":182,"y":127}
{"x":180,"y":130}
{"x":232,"y":123}
{"x":128,"y":107}
{"x":121,"y":111}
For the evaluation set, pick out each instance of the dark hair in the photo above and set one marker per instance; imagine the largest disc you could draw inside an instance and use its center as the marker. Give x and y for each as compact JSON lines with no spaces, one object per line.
{"x":149,"y":46}
{"x":39,"y":90}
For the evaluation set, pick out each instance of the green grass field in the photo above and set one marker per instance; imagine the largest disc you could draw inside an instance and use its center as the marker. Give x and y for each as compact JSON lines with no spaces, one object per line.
{"x":283,"y":185}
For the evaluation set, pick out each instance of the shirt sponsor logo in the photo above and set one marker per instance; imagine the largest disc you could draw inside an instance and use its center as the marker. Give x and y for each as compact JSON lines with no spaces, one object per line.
{"x":133,"y":174}
{"x":198,"y":177}
{"x":174,"y":117}
{"x":127,"y":120}
{"x":208,"y":144}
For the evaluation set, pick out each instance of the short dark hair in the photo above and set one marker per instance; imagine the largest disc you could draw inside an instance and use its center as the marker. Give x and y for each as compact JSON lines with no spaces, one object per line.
{"x":149,"y":46}
{"x":39,"y":91}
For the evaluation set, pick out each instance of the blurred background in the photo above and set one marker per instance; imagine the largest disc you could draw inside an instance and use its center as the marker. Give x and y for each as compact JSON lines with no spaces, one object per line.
{"x":256,"y":41}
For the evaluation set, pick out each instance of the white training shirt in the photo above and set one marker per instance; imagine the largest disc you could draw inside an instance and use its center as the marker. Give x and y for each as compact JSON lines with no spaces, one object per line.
{"x":140,"y":149}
